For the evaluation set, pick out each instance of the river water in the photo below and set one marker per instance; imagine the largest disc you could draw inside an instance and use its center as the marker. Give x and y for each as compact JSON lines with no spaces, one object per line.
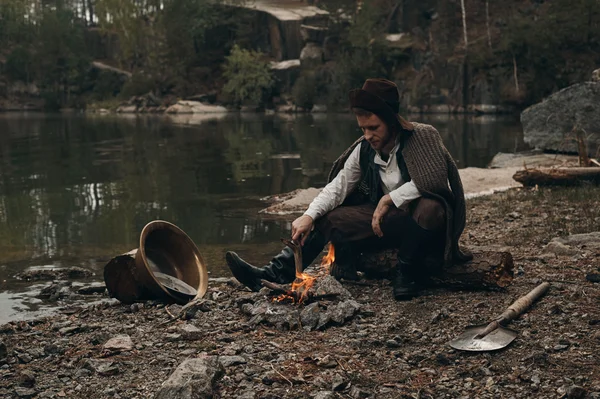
{"x":76,"y":190}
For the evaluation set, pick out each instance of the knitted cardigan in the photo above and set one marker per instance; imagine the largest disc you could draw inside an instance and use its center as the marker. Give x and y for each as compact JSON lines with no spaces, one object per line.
{"x":435,"y":174}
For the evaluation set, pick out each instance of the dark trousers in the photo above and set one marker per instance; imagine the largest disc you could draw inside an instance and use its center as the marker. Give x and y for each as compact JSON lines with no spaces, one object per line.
{"x":352,"y":225}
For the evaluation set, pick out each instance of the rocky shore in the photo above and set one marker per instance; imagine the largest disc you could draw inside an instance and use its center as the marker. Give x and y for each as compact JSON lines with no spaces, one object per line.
{"x":223,"y":347}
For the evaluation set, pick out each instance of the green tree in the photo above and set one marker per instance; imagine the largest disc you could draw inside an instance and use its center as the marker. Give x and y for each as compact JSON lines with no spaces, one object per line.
{"x":248,"y":75}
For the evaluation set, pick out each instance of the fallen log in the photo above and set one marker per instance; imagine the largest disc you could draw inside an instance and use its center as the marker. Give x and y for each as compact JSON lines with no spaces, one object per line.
{"x":487,"y":270}
{"x":557,"y":176}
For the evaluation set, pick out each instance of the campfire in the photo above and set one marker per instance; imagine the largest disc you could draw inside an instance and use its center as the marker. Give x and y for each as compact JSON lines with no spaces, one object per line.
{"x":322,"y":300}
{"x":300,"y":290}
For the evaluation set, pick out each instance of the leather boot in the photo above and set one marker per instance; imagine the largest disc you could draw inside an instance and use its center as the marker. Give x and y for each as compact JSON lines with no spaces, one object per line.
{"x":408,"y":270}
{"x":405,"y":285}
{"x":344,"y":266}
{"x":281,"y":269}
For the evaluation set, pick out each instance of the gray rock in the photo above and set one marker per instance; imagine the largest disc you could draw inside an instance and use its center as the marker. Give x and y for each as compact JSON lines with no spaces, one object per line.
{"x":590,"y":240}
{"x":190,"y":332}
{"x":339,"y":383}
{"x":343,"y":311}
{"x":54,"y":274}
{"x":311,"y":54}
{"x":249,"y":394}
{"x":25,"y":392}
{"x":309,"y":316}
{"x":313,"y":33}
{"x":547,"y":124}
{"x":228,"y":361}
{"x":27,"y":378}
{"x":119,"y":343}
{"x":531,"y":159}
{"x":193,"y":378}
{"x":325,"y":395}
{"x":102,"y":367}
{"x":127,"y":109}
{"x":82,"y":373}
{"x":596,"y":75}
{"x":195,"y":107}
{"x":559,"y":248}
{"x":327,"y":362}
{"x":91,"y":289}
{"x":328,"y":285}
{"x":24,"y":358}
{"x":69,"y":330}
{"x":358,"y":393}
{"x":56,"y":290}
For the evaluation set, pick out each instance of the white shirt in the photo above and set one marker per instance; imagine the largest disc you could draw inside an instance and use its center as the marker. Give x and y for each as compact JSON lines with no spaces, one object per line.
{"x":334,"y":193}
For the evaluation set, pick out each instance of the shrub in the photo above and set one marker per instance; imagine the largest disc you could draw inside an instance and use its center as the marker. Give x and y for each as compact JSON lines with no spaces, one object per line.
{"x":248,"y":76}
{"x":305,"y":91}
{"x":137,"y":85}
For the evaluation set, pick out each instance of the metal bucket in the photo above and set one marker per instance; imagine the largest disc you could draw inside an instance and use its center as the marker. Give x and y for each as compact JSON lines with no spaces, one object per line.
{"x":167,"y":266}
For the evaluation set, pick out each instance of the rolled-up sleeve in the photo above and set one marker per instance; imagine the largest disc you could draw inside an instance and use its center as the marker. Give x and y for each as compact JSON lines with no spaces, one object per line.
{"x":334,"y":193}
{"x":405,"y":193}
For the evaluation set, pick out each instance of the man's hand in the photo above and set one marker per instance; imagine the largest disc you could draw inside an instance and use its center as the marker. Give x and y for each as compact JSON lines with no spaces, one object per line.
{"x":382,"y":207}
{"x":301,"y":227}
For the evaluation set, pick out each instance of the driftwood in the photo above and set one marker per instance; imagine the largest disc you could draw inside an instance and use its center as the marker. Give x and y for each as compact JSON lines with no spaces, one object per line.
{"x":487,"y":270}
{"x":557,"y":177}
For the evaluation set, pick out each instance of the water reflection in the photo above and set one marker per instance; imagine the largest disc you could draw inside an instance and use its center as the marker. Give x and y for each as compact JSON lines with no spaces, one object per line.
{"x":78,"y":188}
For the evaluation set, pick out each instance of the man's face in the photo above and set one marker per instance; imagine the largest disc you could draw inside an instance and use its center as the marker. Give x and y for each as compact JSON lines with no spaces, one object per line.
{"x":376,"y":132}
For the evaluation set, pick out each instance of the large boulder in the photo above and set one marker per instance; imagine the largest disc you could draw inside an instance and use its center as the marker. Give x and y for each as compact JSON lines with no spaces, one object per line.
{"x":548,"y":125}
{"x":286,"y":73}
{"x":194,"y":107}
{"x":313,"y":33}
{"x":311,"y":55}
{"x":193,"y":379}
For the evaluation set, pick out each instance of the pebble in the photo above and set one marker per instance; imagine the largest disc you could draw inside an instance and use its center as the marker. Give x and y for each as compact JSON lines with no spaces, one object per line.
{"x":27,"y":378}
{"x":339,"y":383}
{"x":119,"y":343}
{"x":25,"y":392}
{"x":325,"y":395}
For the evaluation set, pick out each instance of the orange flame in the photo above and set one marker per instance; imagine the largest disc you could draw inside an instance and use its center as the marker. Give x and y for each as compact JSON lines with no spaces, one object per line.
{"x":329,"y":258}
{"x":302,"y":284}
{"x":305,"y":281}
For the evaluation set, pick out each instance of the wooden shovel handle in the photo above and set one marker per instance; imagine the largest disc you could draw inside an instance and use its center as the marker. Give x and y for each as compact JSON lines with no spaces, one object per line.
{"x":523,"y":303}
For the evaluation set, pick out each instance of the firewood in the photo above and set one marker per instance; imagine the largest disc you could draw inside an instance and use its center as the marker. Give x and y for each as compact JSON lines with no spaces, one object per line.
{"x":295,"y":295}
{"x":557,"y":176}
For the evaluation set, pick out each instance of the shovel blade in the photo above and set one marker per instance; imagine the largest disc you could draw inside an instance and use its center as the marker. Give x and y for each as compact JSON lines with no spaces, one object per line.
{"x":495,"y":340}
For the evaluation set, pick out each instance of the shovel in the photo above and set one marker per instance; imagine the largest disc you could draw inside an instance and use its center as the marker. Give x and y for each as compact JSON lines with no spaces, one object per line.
{"x":495,"y":336}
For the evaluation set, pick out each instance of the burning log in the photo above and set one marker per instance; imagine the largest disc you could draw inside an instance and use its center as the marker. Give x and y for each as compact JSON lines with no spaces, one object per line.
{"x":296,"y":296}
{"x":557,"y":177}
{"x":303,"y":282}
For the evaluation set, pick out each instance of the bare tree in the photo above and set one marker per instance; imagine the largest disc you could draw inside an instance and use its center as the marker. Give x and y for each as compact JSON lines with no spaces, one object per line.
{"x":515,"y":74}
{"x":464,"y":21}
{"x":487,"y":22}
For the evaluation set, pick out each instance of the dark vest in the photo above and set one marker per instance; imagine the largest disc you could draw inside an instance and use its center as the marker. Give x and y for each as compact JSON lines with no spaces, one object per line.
{"x":369,"y":189}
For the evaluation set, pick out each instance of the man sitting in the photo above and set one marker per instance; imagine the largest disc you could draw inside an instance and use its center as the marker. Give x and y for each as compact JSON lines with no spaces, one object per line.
{"x":399,"y":185}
